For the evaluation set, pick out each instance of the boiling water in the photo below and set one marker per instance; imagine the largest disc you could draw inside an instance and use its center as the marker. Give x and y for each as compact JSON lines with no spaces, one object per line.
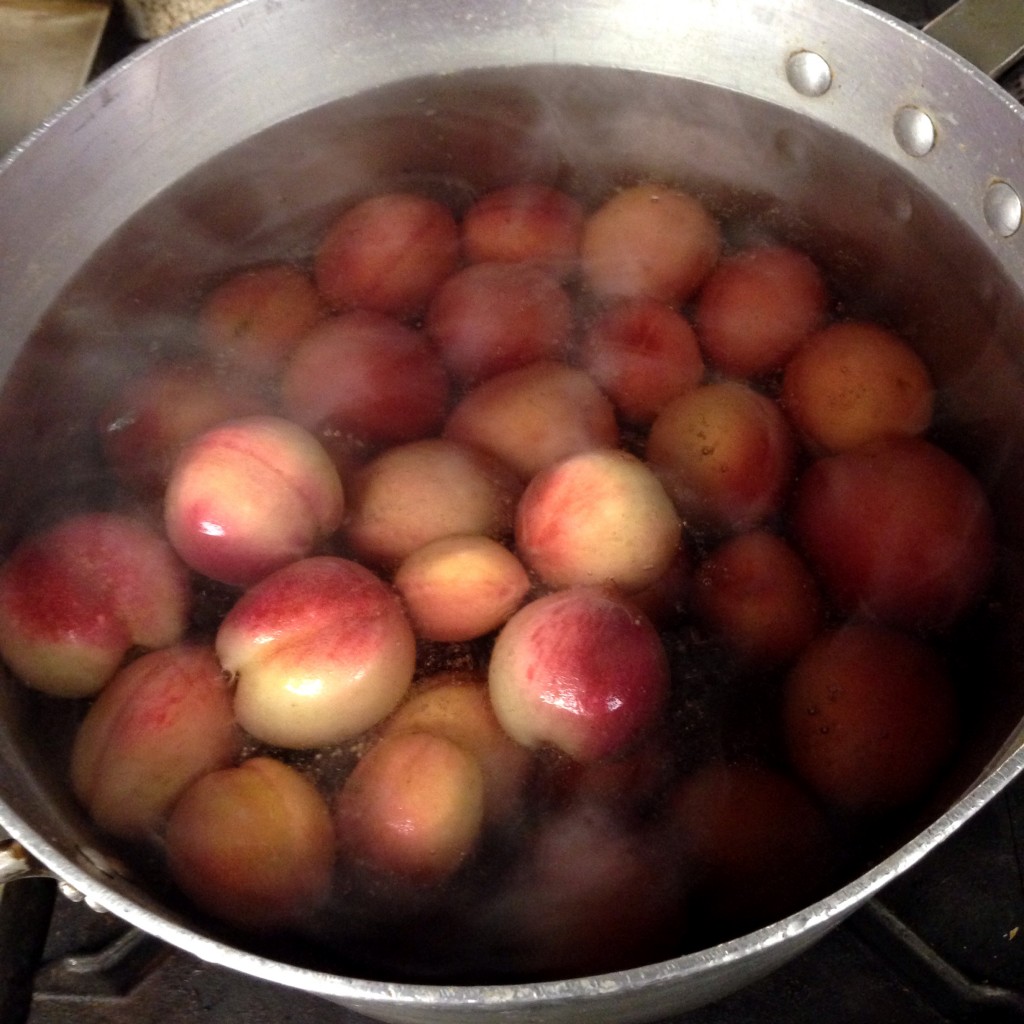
{"x":764,"y":173}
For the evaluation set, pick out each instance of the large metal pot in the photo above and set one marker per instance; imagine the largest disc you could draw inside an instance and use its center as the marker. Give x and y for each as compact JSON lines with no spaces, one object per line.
{"x":896,"y":162}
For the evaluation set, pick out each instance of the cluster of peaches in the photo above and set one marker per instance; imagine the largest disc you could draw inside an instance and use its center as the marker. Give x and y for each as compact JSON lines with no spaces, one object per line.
{"x":465,"y":485}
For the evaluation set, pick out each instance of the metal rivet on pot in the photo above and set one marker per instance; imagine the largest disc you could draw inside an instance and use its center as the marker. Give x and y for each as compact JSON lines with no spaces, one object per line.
{"x":808,"y":73}
{"x":1003,"y":209}
{"x":914,"y":131}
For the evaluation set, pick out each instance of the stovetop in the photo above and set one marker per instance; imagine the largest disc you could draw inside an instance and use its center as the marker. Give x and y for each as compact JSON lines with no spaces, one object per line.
{"x":943,"y":943}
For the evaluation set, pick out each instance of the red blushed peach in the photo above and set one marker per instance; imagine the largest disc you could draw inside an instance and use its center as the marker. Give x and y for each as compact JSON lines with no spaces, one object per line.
{"x":756,"y":594}
{"x":492,"y":317}
{"x":754,"y":844}
{"x":896,"y":530}
{"x":76,"y":598}
{"x":420,"y":492}
{"x":527,"y":223}
{"x":369,"y":375}
{"x":579,"y":670}
{"x":642,"y":353}
{"x":321,"y":650}
{"x":456,"y":705}
{"x":256,"y":317}
{"x":458,"y":588}
{"x":600,"y":517}
{"x":250,"y":496}
{"x":161,"y":722}
{"x":757,"y":307}
{"x":253,"y":845}
{"x":531,"y":417}
{"x":155,"y":416}
{"x":869,"y":717}
{"x":388,"y":253}
{"x":856,"y":382}
{"x":413,"y":807}
{"x":649,"y":240}
{"x":590,"y":896}
{"x":725,"y":453}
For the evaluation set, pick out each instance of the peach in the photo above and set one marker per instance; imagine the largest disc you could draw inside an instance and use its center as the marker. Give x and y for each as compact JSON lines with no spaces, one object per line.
{"x":492,"y":317}
{"x":162,"y":722}
{"x":255,"y":318}
{"x":413,"y":807}
{"x":642,"y":353}
{"x":388,"y":253}
{"x":419,"y":492}
{"x":321,"y":650}
{"x":534,"y":416}
{"x":524,"y":223}
{"x":155,"y":416}
{"x":580,"y":670}
{"x":897,"y":530}
{"x":369,"y":375}
{"x":249,"y":496}
{"x":253,"y":845}
{"x":756,"y":594}
{"x":456,"y":705}
{"x":869,"y":717}
{"x":600,"y":517}
{"x":725,"y":453}
{"x":589,"y":896}
{"x":78,"y":596}
{"x":754,"y":844}
{"x":649,"y":240}
{"x":757,"y":307}
{"x":461,"y":587}
{"x":856,"y":382}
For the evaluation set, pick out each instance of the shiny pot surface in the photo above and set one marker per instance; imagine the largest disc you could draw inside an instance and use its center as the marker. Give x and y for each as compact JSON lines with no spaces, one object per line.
{"x":896,"y":163}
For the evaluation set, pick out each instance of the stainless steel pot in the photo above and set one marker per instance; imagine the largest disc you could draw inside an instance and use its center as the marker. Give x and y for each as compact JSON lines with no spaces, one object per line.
{"x":897,"y":163}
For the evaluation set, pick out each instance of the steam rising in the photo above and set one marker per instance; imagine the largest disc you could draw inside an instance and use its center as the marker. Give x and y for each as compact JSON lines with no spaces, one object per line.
{"x":763,"y":171}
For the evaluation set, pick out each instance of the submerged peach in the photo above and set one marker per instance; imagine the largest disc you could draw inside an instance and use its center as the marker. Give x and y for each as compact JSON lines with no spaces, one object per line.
{"x":253,"y":845}
{"x":580,"y":670}
{"x":77,"y":597}
{"x":413,"y":807}
{"x":461,"y":587}
{"x":600,"y":517}
{"x":249,"y":496}
{"x":321,"y":650}
{"x":162,"y":722}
